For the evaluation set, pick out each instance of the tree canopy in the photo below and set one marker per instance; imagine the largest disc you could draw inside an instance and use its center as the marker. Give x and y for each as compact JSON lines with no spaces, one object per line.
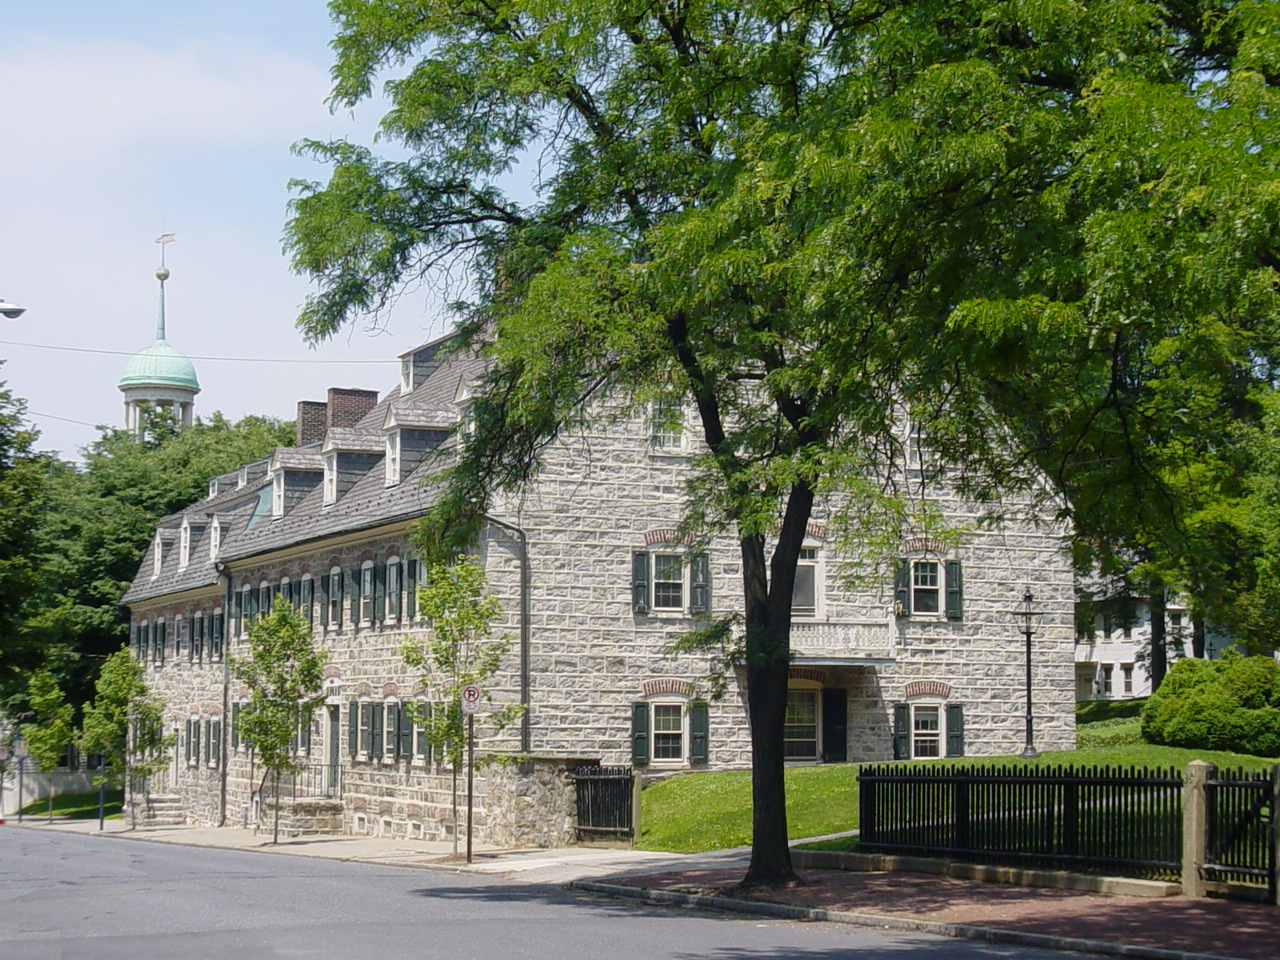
{"x":1043,"y":230}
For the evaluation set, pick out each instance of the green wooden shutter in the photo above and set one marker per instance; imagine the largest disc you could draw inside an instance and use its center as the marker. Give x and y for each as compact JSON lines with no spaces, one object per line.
{"x":955,"y":730}
{"x":902,"y":589}
{"x":353,"y":595}
{"x":162,"y":629}
{"x":218,"y":637}
{"x":640,"y":583}
{"x":376,"y":715}
{"x":195,"y":741}
{"x":235,"y":726}
{"x":640,"y":733}
{"x":404,"y":736}
{"x":308,"y":589}
{"x":379,"y":592}
{"x":955,"y":591}
{"x":699,"y":731}
{"x":304,"y":734}
{"x":322,"y":599}
{"x":901,"y":731}
{"x":353,"y":728}
{"x":252,"y":613}
{"x":700,"y":594}
{"x":411,"y":588}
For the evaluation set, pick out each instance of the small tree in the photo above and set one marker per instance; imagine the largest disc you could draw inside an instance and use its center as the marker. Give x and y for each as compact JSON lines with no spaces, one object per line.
{"x":284,"y":672}
{"x":460,"y":650}
{"x":125,"y":724}
{"x":49,"y":733}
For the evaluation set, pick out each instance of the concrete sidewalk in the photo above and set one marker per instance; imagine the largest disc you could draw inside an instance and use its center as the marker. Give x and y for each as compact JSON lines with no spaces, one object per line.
{"x":1163,"y":928}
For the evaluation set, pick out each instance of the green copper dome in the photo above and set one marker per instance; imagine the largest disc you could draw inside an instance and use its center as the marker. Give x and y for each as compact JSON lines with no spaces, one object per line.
{"x":160,"y":365}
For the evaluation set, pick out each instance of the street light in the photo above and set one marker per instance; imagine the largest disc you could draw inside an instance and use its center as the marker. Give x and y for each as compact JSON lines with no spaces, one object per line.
{"x":11,"y":310}
{"x":1029,"y":752}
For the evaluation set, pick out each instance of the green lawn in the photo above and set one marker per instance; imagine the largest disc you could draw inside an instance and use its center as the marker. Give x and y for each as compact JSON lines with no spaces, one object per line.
{"x":1092,"y":711}
{"x":77,"y":806}
{"x":707,"y":811}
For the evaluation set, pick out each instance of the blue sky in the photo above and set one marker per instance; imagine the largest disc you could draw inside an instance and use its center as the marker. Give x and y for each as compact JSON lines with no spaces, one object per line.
{"x":126,"y":120}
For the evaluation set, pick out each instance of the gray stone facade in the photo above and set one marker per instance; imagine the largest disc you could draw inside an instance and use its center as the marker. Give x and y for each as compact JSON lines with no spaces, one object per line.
{"x":595,"y":585}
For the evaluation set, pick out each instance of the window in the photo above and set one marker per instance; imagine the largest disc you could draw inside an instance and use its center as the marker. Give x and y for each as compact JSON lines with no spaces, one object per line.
{"x":330,"y":478}
{"x":804,"y":596}
{"x":158,"y":558}
{"x":1126,"y":676}
{"x":669,"y":732}
{"x":277,"y":496}
{"x":1107,"y":671}
{"x":421,"y":743}
{"x":180,"y":637}
{"x":1175,"y":620}
{"x":393,"y":588}
{"x":246,"y":609}
{"x":184,"y":546}
{"x":193,"y":742}
{"x":927,"y":587}
{"x":158,"y":640}
{"x":669,"y":582}
{"x":215,"y":539}
{"x":923,"y":729}
{"x":666,"y":425}
{"x":393,"y":458}
{"x":800,"y":726}
{"x":306,"y":597}
{"x":366,"y":592}
{"x":264,"y":598}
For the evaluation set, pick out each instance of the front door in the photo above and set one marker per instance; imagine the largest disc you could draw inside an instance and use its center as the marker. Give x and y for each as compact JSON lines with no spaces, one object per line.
{"x":332,"y":775}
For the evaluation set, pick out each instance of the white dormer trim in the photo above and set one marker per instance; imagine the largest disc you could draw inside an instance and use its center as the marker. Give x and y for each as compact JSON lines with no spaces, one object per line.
{"x":184,"y":544}
{"x":330,"y":478}
{"x":392,"y":457}
{"x":277,"y":495}
{"x":157,"y":557}
{"x":215,"y":539}
{"x":406,"y":374}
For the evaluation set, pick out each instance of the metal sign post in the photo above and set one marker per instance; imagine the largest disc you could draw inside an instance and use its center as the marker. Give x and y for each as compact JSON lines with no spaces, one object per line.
{"x":469,"y":701}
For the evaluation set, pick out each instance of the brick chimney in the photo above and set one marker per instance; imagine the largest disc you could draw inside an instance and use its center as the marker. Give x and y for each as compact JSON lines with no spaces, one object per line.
{"x":312,"y":421}
{"x":347,"y":406}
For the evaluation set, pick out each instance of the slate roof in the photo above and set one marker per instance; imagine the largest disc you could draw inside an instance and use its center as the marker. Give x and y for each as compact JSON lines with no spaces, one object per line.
{"x":247,"y":525}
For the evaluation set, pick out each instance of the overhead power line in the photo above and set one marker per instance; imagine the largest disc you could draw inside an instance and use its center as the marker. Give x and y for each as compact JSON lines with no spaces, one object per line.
{"x":130,"y":353}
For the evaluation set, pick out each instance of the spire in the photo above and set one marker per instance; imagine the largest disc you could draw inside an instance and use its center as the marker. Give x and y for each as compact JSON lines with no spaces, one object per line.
{"x":162,"y":274}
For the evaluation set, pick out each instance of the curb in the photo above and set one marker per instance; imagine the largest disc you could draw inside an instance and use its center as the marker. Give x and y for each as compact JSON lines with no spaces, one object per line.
{"x":959,"y":931}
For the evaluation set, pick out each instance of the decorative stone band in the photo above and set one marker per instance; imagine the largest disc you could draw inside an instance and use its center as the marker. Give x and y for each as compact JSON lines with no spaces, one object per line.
{"x":807,"y":673}
{"x":390,"y":690}
{"x":332,"y":671}
{"x":653,"y":537}
{"x":364,"y":689}
{"x":925,"y":545}
{"x":927,"y":688}
{"x":419,"y":688}
{"x":667,"y":685}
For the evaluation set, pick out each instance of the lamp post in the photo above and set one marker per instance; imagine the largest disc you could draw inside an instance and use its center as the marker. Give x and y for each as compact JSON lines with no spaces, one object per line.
{"x":1029,"y":751}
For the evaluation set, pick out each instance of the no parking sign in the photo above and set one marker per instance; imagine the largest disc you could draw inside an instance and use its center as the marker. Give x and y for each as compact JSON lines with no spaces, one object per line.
{"x":470,"y":698}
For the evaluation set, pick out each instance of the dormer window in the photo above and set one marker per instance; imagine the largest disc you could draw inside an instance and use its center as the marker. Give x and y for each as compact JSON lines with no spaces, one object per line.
{"x":184,"y":546}
{"x":277,"y":495}
{"x":215,"y":539}
{"x":158,"y":556}
{"x":393,"y":458}
{"x":406,"y":375}
{"x":330,"y":478}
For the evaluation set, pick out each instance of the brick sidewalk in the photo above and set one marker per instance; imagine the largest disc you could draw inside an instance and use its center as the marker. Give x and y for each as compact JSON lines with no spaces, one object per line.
{"x":1222,"y":928}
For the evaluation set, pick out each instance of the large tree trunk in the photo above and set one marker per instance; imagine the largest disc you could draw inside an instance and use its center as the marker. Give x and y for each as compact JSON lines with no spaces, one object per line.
{"x":1159,"y":648}
{"x":768,"y":653}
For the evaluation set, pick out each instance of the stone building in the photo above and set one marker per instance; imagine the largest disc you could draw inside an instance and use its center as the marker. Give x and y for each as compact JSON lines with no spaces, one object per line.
{"x":595,"y":584}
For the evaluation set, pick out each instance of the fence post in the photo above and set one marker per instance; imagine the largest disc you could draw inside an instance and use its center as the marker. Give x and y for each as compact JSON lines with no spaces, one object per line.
{"x":637,"y":785}
{"x":1194,"y":826}
{"x":1275,"y":833}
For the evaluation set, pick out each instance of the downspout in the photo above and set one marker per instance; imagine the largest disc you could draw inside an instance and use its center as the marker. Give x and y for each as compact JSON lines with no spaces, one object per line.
{"x":526,"y":728}
{"x":225,"y":726}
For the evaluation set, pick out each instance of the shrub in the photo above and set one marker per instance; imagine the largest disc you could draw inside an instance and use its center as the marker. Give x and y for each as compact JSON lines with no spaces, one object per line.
{"x":1233,"y":704}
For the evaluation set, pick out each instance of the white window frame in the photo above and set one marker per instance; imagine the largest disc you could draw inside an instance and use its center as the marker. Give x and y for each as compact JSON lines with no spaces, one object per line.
{"x":916,"y":736}
{"x":308,"y":610}
{"x":809,"y":691}
{"x":1126,"y":679}
{"x":394,"y":564}
{"x":246,"y":593}
{"x":362,"y":730}
{"x":938,"y":588}
{"x":277,"y":495}
{"x":178,"y":623}
{"x":157,"y":557}
{"x":265,"y":602}
{"x":406,"y":376}
{"x":215,"y":539}
{"x":667,"y":437}
{"x":1108,"y":679}
{"x":814,"y":562}
{"x":390,"y":734}
{"x":392,"y":457}
{"x":284,"y":589}
{"x":685,"y":571}
{"x":684,"y":733}
{"x":367,"y":602}
{"x":184,"y":545}
{"x":418,"y":753}
{"x":330,"y":479}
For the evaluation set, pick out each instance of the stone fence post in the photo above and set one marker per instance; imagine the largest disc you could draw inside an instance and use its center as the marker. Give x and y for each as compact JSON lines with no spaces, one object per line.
{"x":1195,"y":822}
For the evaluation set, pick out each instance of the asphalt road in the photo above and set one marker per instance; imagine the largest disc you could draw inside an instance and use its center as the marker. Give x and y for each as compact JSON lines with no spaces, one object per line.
{"x":65,"y":896}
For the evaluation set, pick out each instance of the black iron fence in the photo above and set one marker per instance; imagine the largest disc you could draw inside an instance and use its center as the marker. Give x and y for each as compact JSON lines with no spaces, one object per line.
{"x":1126,"y":821}
{"x":1239,"y":815}
{"x":313,"y":780}
{"x":604,"y":801}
